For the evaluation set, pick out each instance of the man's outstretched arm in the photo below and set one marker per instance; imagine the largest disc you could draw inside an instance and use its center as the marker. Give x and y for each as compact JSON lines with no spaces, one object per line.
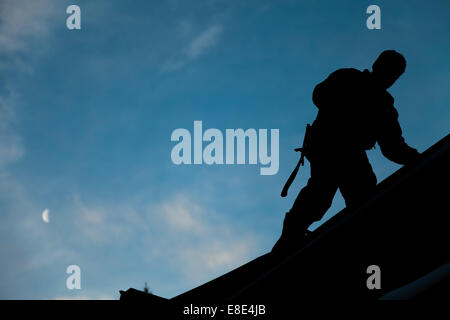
{"x":391,"y":141}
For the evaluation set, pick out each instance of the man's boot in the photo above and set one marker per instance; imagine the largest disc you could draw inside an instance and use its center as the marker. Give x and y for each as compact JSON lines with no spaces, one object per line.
{"x":293,"y":235}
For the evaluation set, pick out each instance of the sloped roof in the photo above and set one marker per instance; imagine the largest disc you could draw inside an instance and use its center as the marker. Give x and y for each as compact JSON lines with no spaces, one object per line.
{"x":402,"y":229}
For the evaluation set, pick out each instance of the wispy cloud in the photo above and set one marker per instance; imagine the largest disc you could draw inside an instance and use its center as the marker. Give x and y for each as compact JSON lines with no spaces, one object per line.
{"x":180,"y":233}
{"x":202,"y":242}
{"x":105,"y":224}
{"x":184,"y":215}
{"x":23,"y":21}
{"x":215,"y":256}
{"x":203,"y":42}
{"x":194,"y":241}
{"x":23,"y":27}
{"x":197,"y":46}
{"x":11,"y":146}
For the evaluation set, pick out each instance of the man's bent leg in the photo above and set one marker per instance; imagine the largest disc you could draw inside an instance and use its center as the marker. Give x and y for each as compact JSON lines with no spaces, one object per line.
{"x":311,"y":204}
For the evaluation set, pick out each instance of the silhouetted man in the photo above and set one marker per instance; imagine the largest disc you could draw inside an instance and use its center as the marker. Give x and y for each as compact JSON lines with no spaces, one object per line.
{"x":355,"y":112}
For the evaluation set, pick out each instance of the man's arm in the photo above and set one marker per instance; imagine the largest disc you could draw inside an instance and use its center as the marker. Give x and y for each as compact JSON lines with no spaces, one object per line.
{"x":391,"y":141}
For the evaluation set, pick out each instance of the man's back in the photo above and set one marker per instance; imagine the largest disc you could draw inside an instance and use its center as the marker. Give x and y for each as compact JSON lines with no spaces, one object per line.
{"x":351,"y":109}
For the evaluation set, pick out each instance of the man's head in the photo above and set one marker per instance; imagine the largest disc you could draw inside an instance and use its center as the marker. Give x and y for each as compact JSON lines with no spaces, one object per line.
{"x":388,"y":67}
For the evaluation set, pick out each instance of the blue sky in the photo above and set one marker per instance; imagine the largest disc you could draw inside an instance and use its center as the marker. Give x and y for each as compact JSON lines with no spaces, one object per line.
{"x":86,"y":118}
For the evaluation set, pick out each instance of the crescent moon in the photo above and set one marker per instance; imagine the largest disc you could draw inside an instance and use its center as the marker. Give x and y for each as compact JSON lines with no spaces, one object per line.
{"x":45,"y":215}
